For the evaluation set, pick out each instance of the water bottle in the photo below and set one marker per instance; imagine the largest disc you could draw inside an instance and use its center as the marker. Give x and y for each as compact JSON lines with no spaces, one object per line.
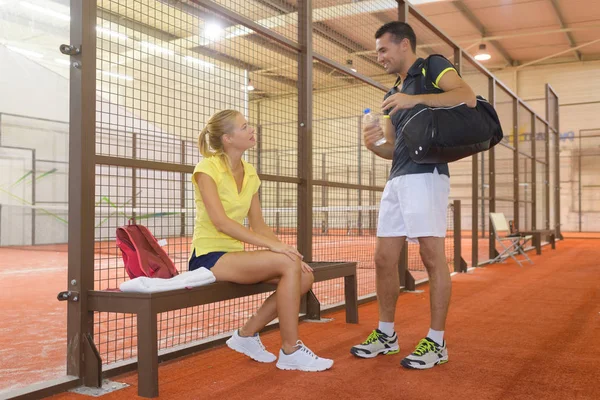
{"x":370,"y":119}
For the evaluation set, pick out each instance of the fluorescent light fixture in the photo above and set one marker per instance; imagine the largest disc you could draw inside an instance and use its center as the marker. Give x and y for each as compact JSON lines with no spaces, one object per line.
{"x":27,"y":53}
{"x":156,"y":48}
{"x":213,"y":30}
{"x":482,"y":54}
{"x":199,"y":62}
{"x":118,"y":76}
{"x":62,"y":61}
{"x":112,"y":34}
{"x":46,"y":11}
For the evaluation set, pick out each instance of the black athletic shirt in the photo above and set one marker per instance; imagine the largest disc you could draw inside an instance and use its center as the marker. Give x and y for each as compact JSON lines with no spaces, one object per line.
{"x":402,"y":164}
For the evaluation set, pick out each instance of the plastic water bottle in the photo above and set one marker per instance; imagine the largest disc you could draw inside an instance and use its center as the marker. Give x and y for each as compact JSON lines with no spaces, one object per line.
{"x":370,"y":119}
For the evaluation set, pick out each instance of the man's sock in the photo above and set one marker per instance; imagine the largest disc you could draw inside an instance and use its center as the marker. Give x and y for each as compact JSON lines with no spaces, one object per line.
{"x":436,"y":336}
{"x":387,"y":328}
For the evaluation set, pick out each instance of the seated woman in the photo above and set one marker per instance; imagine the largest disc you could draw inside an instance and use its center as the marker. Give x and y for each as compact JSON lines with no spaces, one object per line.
{"x":226,"y":191}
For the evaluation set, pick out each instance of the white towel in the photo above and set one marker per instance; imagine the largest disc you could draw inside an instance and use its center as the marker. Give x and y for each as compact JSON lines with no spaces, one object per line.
{"x":143,"y":284}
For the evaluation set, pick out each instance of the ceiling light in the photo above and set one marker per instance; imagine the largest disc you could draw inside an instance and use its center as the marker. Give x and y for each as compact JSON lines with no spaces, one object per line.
{"x":199,"y":62}
{"x":213,"y":30}
{"x":47,"y":11}
{"x":482,"y":54}
{"x":118,"y":76}
{"x":112,"y":34}
{"x":27,"y":53}
{"x":156,"y":48}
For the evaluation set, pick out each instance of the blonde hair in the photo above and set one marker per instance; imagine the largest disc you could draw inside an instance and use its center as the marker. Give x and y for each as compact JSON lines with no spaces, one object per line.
{"x":211,"y":136}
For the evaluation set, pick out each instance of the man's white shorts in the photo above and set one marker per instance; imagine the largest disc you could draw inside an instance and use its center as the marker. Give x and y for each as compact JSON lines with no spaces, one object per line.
{"x":414,"y":206}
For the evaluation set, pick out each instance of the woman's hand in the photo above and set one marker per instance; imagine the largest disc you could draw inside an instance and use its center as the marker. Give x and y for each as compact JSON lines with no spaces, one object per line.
{"x":306,"y":267}
{"x":282,"y":248}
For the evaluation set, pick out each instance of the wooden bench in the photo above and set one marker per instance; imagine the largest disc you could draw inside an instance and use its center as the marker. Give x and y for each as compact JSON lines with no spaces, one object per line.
{"x":148,"y":305}
{"x":536,"y":238}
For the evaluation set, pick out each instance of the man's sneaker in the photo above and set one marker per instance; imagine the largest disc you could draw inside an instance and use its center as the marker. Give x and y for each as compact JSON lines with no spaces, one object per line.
{"x":250,"y":346}
{"x":303,"y":359}
{"x":428,"y":354}
{"x":377,"y":343}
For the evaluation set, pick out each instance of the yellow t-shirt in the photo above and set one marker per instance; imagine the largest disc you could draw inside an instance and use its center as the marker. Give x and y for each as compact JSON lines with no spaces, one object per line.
{"x":206,"y":237}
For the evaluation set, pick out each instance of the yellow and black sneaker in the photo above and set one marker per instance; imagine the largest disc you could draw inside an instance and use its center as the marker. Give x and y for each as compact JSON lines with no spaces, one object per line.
{"x":428,"y":354}
{"x":377,"y":343}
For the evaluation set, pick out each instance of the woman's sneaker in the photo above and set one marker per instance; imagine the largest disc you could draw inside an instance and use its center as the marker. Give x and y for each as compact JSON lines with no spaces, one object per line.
{"x":303,"y":359}
{"x":250,"y":346}
{"x":377,"y":343}
{"x":428,"y":354}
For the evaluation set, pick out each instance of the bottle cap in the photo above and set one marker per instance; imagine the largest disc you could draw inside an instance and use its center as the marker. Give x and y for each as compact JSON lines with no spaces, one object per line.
{"x":367,"y":110}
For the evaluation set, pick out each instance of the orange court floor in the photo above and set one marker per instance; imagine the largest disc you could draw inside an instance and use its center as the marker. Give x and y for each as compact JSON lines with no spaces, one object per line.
{"x":530,"y":332}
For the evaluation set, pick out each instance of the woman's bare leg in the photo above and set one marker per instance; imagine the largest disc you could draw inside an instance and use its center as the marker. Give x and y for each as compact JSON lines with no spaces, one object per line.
{"x":248,"y":267}
{"x":268,"y":311}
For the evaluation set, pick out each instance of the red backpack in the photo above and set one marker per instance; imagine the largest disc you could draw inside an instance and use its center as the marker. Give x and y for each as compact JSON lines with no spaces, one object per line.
{"x":142,"y":255}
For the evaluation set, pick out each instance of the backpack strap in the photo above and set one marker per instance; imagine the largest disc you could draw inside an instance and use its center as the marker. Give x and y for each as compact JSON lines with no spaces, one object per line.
{"x":156,"y":247}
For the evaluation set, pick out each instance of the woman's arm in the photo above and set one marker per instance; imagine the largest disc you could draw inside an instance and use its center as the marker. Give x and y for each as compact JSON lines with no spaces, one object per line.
{"x":224,"y":224}
{"x":258,"y":225}
{"x":257,"y":222}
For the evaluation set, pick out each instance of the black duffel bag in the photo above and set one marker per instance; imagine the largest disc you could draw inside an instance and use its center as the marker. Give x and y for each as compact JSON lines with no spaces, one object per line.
{"x":444,"y":134}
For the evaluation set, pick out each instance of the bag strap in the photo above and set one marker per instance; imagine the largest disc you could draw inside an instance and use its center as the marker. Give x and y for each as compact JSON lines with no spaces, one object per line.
{"x":429,"y":82}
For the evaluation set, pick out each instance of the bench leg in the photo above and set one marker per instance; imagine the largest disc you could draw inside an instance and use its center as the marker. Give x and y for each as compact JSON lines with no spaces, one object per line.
{"x":93,"y":363}
{"x":553,"y":241}
{"x":313,"y":307}
{"x":147,"y":354}
{"x":351,"y":297}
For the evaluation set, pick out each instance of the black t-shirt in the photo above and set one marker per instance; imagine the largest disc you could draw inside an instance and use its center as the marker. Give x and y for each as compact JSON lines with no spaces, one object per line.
{"x":402,"y":164}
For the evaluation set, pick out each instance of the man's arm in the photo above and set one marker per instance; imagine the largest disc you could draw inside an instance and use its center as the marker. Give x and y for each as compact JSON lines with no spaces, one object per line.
{"x":455,"y":89}
{"x":373,"y":134}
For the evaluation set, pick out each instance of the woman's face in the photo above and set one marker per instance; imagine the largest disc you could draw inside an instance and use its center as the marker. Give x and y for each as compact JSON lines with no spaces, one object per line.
{"x":242,"y":137}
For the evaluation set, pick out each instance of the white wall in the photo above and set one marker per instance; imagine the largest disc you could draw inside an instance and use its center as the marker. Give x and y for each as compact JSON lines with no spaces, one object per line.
{"x":578,"y":88}
{"x":33,"y":92}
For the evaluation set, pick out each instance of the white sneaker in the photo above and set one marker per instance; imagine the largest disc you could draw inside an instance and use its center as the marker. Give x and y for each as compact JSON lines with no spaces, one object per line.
{"x":303,"y":359}
{"x":250,"y":346}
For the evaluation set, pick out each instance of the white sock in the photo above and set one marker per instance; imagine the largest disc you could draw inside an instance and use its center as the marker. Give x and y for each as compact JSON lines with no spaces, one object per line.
{"x":387,"y":328}
{"x":436,"y":336}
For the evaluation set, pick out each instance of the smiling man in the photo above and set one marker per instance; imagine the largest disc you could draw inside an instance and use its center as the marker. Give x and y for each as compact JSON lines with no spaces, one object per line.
{"x":415,"y":199}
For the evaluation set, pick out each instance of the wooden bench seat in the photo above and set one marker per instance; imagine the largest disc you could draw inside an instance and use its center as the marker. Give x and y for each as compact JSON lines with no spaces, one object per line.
{"x":148,"y":305}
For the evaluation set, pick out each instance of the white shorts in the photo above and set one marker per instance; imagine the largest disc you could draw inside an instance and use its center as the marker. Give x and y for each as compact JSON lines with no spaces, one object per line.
{"x":414,"y":206}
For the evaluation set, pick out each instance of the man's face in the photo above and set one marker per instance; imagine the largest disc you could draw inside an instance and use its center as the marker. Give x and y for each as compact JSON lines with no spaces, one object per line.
{"x":390,"y":54}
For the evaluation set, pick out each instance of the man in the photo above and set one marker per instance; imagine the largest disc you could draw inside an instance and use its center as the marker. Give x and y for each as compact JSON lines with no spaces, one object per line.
{"x":415,"y":199}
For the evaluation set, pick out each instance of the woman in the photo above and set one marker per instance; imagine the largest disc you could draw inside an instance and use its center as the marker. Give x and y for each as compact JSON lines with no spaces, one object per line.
{"x":226,"y":191}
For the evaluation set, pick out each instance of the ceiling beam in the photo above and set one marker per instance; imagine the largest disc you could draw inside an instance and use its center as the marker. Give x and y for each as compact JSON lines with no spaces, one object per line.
{"x":167,"y":37}
{"x":557,"y":54}
{"x":323,"y":30}
{"x":561,"y":21}
{"x":468,"y":14}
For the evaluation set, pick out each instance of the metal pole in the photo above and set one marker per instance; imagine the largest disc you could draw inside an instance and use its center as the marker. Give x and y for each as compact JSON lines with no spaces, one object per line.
{"x":533,"y":174}
{"x":482,"y":195}
{"x":359,"y":163}
{"x":82,"y":138}
{"x":33,"y":174}
{"x":305,"y":128}
{"x":324,"y":195}
{"x":516,"y":164}
{"x":182,"y":191}
{"x":579,"y":183}
{"x":492,"y":176}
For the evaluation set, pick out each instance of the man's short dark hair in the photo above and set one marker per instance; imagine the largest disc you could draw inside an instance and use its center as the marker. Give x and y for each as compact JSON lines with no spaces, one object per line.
{"x":399,"y":30}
